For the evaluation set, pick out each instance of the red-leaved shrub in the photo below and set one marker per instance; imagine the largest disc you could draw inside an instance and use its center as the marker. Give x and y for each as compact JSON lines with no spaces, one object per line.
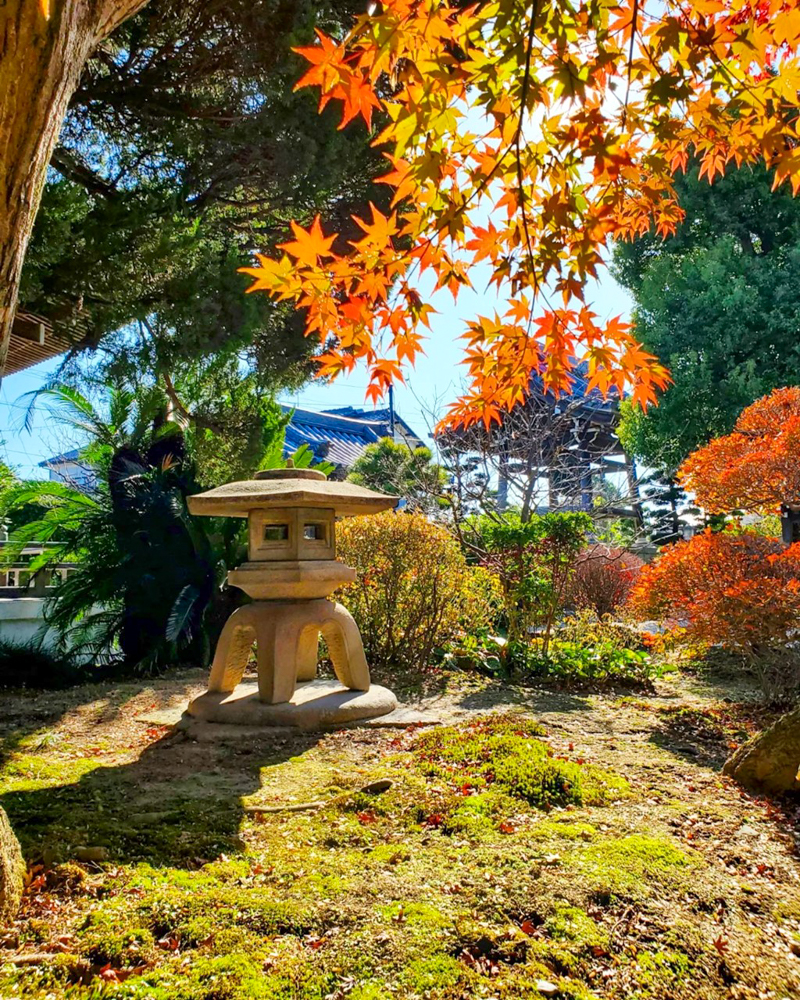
{"x":732,"y":588}
{"x":603,"y":578}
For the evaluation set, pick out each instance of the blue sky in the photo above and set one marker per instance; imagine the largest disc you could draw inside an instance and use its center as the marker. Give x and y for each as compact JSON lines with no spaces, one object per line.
{"x":437,"y":376}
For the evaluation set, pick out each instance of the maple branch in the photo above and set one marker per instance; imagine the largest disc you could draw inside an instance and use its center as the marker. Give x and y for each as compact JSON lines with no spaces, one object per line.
{"x":634,"y":19}
{"x":523,"y":100}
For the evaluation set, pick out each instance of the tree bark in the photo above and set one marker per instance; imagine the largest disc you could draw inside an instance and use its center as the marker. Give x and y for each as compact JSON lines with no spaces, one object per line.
{"x":12,"y":872}
{"x":41,"y":60}
{"x":770,"y":762}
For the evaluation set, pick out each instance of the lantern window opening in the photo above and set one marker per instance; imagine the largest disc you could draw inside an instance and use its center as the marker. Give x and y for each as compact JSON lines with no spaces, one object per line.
{"x":276,"y":532}
{"x":316,"y":531}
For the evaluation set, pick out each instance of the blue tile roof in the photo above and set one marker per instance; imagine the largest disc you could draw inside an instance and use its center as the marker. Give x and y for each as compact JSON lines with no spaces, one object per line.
{"x":338,"y":436}
{"x":67,"y":456}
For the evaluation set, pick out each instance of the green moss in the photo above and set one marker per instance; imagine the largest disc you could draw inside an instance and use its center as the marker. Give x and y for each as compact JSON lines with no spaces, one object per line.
{"x":324,"y":885}
{"x":389,"y":854}
{"x":566,"y":940}
{"x":237,"y":977}
{"x":570,"y":923}
{"x":439,"y":749}
{"x":503,"y":751}
{"x":477,"y":816}
{"x":520,"y":984}
{"x":548,"y":829}
{"x":104,"y":941}
{"x":431,"y":976}
{"x":97,"y":809}
{"x":29,"y":772}
{"x":631,"y":865}
{"x":544,"y":781}
{"x":368,"y":991}
{"x":787,"y":909}
{"x":659,"y":970}
{"x":415,"y":914}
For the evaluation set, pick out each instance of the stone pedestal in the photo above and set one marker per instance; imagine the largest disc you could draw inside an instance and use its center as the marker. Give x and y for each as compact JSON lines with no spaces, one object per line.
{"x":319,"y":704}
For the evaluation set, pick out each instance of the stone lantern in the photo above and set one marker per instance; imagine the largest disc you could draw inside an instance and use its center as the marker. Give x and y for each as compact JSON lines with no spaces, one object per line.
{"x":290,"y":573}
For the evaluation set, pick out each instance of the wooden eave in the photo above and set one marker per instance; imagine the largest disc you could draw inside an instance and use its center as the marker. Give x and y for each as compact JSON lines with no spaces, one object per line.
{"x":36,"y":338}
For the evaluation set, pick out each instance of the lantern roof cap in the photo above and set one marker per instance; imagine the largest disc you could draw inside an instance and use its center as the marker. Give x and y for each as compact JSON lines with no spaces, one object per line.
{"x":289,"y":488}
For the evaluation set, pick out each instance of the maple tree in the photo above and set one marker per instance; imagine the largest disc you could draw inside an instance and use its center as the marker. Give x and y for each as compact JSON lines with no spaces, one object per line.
{"x":756,"y":467}
{"x":734,"y":588}
{"x":521,"y":138}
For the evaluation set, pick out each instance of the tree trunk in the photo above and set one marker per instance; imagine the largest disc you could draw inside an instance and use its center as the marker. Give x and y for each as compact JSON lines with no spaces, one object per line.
{"x":12,"y":871}
{"x":41,"y":60}
{"x":770,"y":762}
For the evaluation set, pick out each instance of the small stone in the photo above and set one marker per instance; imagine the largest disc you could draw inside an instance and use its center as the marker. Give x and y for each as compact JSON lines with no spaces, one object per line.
{"x":548,"y":989}
{"x":376,"y":787}
{"x":148,"y":818}
{"x":91,"y":853}
{"x":49,"y":856}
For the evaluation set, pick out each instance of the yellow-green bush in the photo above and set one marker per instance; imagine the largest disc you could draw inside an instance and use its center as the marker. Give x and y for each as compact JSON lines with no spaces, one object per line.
{"x":415,"y":592}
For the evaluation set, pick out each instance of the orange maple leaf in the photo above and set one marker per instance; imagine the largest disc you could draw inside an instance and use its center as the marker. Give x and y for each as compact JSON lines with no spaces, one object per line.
{"x":327,"y":63}
{"x":359,"y":98}
{"x":380,"y":231}
{"x":309,"y":245}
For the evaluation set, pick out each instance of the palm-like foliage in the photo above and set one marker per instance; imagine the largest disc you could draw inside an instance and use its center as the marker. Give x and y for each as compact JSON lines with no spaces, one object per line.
{"x":148,"y":584}
{"x":147,"y":574}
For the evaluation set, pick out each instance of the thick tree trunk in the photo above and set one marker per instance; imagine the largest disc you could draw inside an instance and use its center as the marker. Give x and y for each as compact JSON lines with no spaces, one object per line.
{"x":41,"y":60}
{"x":12,"y":871}
{"x":770,"y":761}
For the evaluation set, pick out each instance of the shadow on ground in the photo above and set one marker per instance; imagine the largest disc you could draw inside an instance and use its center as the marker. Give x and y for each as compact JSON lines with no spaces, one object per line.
{"x":497,"y":694}
{"x":179,"y":802}
{"x":675,"y":738}
{"x":24,"y":713}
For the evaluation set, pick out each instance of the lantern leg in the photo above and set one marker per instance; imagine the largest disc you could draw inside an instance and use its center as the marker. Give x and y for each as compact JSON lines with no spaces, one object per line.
{"x":286,"y":635}
{"x":307,"y":652}
{"x":346,"y":648}
{"x":277,"y":638}
{"x":233,"y":650}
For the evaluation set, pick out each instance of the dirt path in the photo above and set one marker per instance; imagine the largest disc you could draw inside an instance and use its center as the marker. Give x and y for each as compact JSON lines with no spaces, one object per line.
{"x":153,"y":878}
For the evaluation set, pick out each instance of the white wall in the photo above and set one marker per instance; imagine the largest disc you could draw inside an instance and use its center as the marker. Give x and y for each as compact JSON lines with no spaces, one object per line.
{"x":21,"y":618}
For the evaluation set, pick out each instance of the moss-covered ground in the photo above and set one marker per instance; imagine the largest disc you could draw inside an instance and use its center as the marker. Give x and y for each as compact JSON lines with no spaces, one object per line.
{"x":533,"y":845}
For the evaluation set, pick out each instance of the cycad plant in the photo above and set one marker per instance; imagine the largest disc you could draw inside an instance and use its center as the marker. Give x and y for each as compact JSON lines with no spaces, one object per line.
{"x":147,"y":586}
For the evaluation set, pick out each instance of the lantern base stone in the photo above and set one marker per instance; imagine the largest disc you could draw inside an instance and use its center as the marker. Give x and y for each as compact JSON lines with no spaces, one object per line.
{"x":317,"y":704}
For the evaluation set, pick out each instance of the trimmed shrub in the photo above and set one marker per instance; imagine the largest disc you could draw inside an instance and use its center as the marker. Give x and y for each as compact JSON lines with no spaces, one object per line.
{"x":603,"y":578}
{"x":735,"y":589}
{"x":533,"y":560}
{"x":415,"y":593}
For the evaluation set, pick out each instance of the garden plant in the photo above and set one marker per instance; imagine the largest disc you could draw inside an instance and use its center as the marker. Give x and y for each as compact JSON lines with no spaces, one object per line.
{"x":520,"y":829}
{"x":415,"y":594}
